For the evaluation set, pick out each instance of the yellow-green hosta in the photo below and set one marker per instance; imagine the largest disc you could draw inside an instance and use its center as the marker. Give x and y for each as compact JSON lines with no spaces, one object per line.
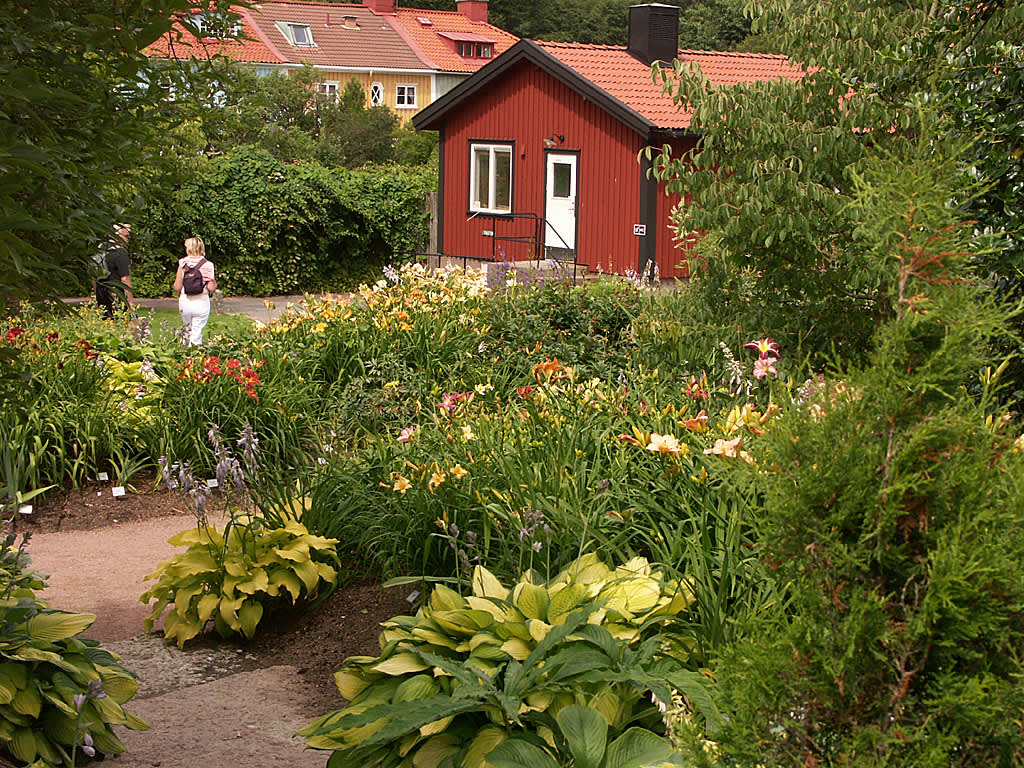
{"x":229,"y":577}
{"x":56,"y":687}
{"x":468,"y":672}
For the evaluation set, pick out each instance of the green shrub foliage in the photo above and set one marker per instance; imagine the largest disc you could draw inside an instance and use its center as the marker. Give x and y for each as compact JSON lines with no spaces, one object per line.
{"x":892,"y":508}
{"x":273,"y":228}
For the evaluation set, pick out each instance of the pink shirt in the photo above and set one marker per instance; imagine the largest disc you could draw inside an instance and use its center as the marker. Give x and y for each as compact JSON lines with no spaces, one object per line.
{"x":206,"y":269}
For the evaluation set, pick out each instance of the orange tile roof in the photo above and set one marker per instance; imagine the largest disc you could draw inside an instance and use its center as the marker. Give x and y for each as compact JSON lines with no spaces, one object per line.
{"x":440,"y":50}
{"x":180,"y":44}
{"x":374,"y":43}
{"x":628,"y":79}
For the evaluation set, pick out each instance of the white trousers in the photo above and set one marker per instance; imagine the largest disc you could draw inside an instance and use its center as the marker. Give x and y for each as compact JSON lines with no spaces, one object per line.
{"x":195,"y":311}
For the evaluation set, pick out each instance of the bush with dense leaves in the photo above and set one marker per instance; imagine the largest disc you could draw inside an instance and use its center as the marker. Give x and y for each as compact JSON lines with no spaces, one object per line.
{"x":273,"y":228}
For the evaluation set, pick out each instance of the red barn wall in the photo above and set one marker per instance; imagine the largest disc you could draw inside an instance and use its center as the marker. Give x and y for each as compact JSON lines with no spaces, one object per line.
{"x":672,"y":254}
{"x":525,"y":106}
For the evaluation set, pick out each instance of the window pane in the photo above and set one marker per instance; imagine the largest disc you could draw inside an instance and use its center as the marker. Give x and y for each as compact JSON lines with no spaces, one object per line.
{"x":482,"y":168}
{"x":563,"y":180}
{"x":503,"y":179}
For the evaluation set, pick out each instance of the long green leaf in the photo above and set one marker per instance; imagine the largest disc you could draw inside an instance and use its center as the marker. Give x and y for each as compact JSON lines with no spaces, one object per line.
{"x":517,"y":753}
{"x":638,"y":748}
{"x":586,"y":732}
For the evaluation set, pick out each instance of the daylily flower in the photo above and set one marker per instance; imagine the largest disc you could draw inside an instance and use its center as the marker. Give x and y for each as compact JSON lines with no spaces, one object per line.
{"x":765,"y":366}
{"x":406,"y":434}
{"x":698,"y":423}
{"x":729,"y":448}
{"x":765,"y":347}
{"x":664,"y":444}
{"x":467,"y":433}
{"x":458,"y":472}
{"x":401,"y":484}
{"x":436,"y":479}
{"x":627,"y":438}
{"x":548,"y":369}
{"x":698,"y":388}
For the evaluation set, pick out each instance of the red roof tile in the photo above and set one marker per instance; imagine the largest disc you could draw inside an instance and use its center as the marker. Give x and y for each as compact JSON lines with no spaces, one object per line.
{"x":180,"y":44}
{"x":373,"y":43}
{"x":628,"y":80}
{"x":437,"y":39}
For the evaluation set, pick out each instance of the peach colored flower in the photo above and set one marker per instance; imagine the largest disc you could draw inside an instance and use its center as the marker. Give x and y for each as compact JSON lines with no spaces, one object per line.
{"x":698,"y":423}
{"x":729,"y":448}
{"x":664,"y":444}
{"x":436,"y":480}
{"x":401,"y":484}
{"x":458,"y":472}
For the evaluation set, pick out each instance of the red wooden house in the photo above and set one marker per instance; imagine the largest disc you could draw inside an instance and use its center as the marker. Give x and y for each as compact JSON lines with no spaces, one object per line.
{"x":539,"y":148}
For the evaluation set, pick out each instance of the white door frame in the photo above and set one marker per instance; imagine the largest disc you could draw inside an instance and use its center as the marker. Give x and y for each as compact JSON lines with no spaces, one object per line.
{"x":561,"y":220}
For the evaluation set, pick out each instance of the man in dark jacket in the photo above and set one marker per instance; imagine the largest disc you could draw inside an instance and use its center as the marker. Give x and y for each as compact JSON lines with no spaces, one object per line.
{"x":113,"y":281}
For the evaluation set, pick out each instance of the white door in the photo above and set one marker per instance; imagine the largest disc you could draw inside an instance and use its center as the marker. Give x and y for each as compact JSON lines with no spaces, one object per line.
{"x":560,"y":209}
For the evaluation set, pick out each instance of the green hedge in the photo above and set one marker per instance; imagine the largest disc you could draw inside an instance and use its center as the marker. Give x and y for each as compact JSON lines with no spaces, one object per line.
{"x":273,"y":228}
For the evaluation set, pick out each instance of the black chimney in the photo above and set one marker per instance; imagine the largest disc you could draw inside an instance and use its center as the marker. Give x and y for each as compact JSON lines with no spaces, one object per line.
{"x":654,"y":32}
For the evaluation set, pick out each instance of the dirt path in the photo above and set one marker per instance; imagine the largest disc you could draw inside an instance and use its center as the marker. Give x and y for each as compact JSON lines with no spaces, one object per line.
{"x":216,"y":704}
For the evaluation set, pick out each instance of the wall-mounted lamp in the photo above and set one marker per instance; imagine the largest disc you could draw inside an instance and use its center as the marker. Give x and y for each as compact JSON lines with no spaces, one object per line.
{"x":554,"y":140}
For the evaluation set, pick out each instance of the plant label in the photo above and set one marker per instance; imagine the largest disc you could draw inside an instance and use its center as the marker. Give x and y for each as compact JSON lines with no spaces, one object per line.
{"x":117,"y":491}
{"x":25,"y":509}
{"x":212,"y":483}
{"x":102,"y":477}
{"x":413,"y":596}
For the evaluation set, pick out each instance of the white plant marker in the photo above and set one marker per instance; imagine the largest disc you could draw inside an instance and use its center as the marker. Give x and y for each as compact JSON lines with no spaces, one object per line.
{"x":212,"y":483}
{"x":117,"y":491}
{"x":102,"y":477}
{"x":25,"y":509}
{"x":413,"y":596}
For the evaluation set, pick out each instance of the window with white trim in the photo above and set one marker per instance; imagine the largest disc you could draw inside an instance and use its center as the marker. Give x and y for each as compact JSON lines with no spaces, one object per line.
{"x":377,"y":95}
{"x":299,"y":35}
{"x":490,"y":178}
{"x":405,"y":96}
{"x":220,"y":25}
{"x":328,"y":90}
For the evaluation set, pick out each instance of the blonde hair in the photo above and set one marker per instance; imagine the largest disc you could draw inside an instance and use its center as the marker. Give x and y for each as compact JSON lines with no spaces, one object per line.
{"x":194,"y":247}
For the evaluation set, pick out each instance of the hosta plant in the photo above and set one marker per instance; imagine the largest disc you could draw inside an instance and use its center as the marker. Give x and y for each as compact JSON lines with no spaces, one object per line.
{"x":231,"y":577}
{"x":59,"y":694}
{"x":468,"y":673}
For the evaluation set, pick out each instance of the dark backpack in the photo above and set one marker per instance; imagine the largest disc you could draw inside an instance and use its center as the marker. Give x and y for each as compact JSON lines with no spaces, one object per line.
{"x":192,"y":281}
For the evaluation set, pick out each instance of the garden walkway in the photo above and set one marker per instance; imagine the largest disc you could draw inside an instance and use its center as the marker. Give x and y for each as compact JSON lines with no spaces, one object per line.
{"x":207,"y":705}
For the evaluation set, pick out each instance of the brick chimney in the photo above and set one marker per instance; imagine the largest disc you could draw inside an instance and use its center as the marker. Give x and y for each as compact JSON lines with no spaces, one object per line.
{"x":380,"y":6}
{"x":653,"y":32}
{"x":474,"y":10}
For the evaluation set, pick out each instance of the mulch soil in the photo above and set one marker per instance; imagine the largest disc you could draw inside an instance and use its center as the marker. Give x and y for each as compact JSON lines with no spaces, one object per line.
{"x":315,"y":641}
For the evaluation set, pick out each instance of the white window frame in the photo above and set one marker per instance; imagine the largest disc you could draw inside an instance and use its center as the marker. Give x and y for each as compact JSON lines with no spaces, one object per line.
{"x":377,"y":94}
{"x":287,"y":28}
{"x":216,"y":25}
{"x":329,"y":89}
{"x":493,"y":150}
{"x":402,"y":92}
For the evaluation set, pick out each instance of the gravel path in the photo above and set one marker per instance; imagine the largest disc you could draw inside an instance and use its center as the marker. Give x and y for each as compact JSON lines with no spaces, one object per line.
{"x":207,"y":706}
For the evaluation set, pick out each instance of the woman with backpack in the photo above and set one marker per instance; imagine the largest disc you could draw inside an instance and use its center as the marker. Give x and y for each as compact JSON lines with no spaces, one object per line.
{"x":194,"y":283}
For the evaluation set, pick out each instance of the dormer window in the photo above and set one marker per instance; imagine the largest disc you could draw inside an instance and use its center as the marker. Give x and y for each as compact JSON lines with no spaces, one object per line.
{"x":469,"y":45}
{"x":424,"y":21}
{"x":299,"y":35}
{"x":475,"y":50}
{"x":217,"y":25}
{"x":350,"y":22}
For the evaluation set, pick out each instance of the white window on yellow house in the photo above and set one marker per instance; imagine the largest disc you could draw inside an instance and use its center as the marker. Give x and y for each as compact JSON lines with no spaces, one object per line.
{"x":405,"y":96}
{"x":377,"y":95}
{"x":329,"y":90}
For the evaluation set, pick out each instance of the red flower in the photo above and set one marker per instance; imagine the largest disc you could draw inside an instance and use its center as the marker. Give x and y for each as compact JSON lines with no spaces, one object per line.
{"x":14,"y":333}
{"x":52,"y":337}
{"x":88,"y":349}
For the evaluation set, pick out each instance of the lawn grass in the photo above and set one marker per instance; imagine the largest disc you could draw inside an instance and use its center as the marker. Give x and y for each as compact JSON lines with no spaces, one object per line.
{"x":166,"y":324}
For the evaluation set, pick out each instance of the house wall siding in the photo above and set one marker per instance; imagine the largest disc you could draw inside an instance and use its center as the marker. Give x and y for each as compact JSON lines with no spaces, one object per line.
{"x":672,"y":254}
{"x":525,"y":106}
